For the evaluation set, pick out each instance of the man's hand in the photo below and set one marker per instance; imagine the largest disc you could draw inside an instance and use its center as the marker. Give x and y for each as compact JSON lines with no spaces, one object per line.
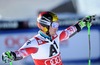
{"x":87,"y":21}
{"x":89,"y":18}
{"x":8,"y":56}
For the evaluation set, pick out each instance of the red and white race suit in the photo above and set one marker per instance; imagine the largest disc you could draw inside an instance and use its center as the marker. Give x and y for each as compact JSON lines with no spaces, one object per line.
{"x":44,"y":51}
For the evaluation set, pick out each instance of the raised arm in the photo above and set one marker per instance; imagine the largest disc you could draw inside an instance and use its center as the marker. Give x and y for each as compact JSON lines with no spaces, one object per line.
{"x":70,"y":31}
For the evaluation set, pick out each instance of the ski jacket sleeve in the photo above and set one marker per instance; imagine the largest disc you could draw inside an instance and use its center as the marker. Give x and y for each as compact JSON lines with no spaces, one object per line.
{"x":30,"y":47}
{"x":67,"y":33}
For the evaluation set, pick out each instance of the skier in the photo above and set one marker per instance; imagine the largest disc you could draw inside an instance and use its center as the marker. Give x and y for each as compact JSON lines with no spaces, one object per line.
{"x":44,"y":47}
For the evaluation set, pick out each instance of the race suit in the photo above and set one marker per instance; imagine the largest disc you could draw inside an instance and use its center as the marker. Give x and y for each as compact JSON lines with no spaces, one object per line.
{"x":45,"y":50}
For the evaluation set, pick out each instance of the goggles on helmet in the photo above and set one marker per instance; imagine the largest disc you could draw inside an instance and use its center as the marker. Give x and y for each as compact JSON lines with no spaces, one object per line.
{"x":55,"y":25}
{"x":44,"y":21}
{"x":48,"y":22}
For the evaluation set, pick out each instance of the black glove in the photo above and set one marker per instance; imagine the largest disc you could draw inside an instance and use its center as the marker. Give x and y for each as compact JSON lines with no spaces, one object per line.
{"x":8,"y":56}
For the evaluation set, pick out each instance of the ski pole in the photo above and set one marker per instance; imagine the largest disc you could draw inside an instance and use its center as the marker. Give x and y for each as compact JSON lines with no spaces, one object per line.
{"x":88,"y":26}
{"x":9,"y":57}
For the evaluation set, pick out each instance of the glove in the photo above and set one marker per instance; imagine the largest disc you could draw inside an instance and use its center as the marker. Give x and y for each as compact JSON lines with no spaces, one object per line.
{"x":84,"y":22}
{"x":89,"y":18}
{"x":8,"y":56}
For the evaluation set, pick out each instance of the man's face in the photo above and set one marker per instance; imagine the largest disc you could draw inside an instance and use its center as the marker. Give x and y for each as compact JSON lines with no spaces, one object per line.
{"x":53,"y":28}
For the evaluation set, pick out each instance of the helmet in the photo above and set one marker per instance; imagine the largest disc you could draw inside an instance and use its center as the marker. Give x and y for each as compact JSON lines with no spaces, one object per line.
{"x":46,"y":19}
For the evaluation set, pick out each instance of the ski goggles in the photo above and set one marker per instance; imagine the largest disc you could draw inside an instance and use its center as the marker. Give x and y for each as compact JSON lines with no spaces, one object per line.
{"x":55,"y":25}
{"x":47,"y":22}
